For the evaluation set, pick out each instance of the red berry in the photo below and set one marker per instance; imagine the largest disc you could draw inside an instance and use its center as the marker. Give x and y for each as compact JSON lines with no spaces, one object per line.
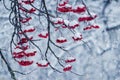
{"x":43,"y":34}
{"x":61,"y":40}
{"x":70,"y":60}
{"x":43,"y":63}
{"x":67,"y":68}
{"x":25,"y":63}
{"x":28,"y":1}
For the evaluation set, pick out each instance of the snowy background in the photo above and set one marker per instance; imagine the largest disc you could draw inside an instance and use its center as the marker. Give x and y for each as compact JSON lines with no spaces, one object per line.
{"x":97,"y":59}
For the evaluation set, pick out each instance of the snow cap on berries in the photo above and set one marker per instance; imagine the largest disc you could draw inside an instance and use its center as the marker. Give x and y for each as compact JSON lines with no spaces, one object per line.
{"x":61,"y":40}
{"x":73,"y":24}
{"x":67,"y":68}
{"x":70,"y":60}
{"x":58,"y":21}
{"x":42,"y":63}
{"x":43,"y":34}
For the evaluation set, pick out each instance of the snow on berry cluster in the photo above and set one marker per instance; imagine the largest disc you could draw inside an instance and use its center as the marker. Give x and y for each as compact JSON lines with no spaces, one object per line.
{"x":65,"y":8}
{"x":23,"y":49}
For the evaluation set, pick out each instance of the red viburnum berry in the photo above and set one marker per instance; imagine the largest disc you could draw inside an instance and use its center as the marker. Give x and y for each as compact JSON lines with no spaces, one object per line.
{"x":58,"y":21}
{"x":25,"y":63}
{"x":61,"y":40}
{"x":87,"y":18}
{"x":25,"y":20}
{"x":77,"y":37}
{"x":79,"y":9}
{"x":82,"y":19}
{"x":66,"y":8}
{"x":70,"y":60}
{"x":43,"y":34}
{"x":30,"y":52}
{"x":22,"y":47}
{"x":18,"y":55}
{"x":30,"y":30}
{"x":92,"y":26}
{"x":28,"y":1}
{"x":27,"y":29}
{"x":32,"y":10}
{"x":91,"y":18}
{"x":25,"y":40}
{"x":73,"y":24}
{"x":87,"y":28}
{"x":95,"y":26}
{"x":67,"y":68}
{"x":42,"y":63}
{"x":63,"y":3}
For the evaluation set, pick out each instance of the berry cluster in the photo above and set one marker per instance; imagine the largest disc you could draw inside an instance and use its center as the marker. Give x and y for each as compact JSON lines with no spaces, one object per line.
{"x":64,"y":7}
{"x":25,"y":31}
{"x":23,"y":50}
